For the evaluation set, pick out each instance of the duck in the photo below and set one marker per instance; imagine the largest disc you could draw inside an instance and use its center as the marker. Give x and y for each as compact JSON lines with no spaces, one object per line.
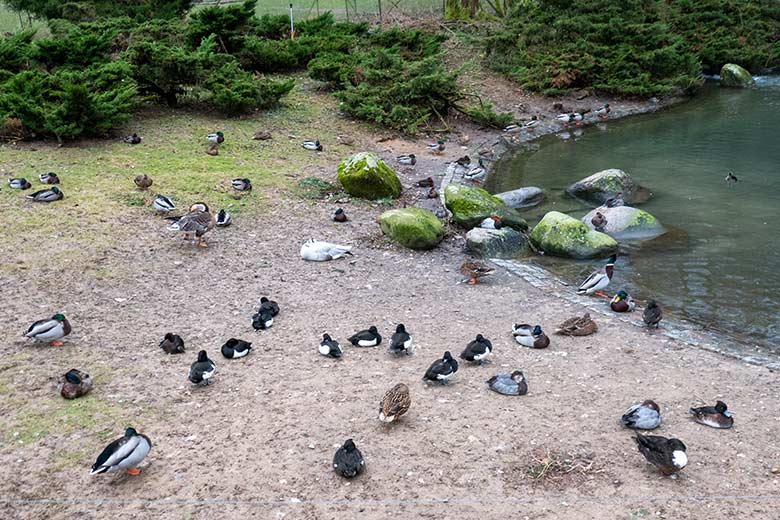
{"x":599,"y":221}
{"x":522,"y":329}
{"x":717,"y":416}
{"x":652,"y":315}
{"x":236,"y":348}
{"x":74,"y":383}
{"x":202,"y":370}
{"x":163,"y":204}
{"x":464,"y":161}
{"x":348,"y":461}
{"x":478,"y":350}
{"x":347,"y":140}
{"x":425,"y":183}
{"x":576,"y":326}
{"x":51,"y":330}
{"x":537,"y":339}
{"x":565,"y":119}
{"x":395,"y":403}
{"x":442,"y":369}
{"x":666,"y":454}
{"x":432,"y":193}
{"x":224,"y":218}
{"x":645,"y":416}
{"x":197,"y":221}
{"x":366,"y":338}
{"x":475,"y":270}
{"x":19,"y":183}
{"x":437,"y":148}
{"x":492,"y":222}
{"x":731,"y":179}
{"x":317,"y":251}
{"x":401,"y":341}
{"x":263,"y":135}
{"x":216,"y":139}
{"x":314,"y":146}
{"x":48,"y":195}
{"x":622,"y":302}
{"x":616,"y":201}
{"x":514,"y":128}
{"x":340,"y":216}
{"x":269,"y":306}
{"x":329,"y":347}
{"x":125,"y":453}
{"x":132,"y":139}
{"x":509,"y":384}
{"x":212,"y":150}
{"x":408,"y":159}
{"x":49,"y":178}
{"x":531,"y":124}
{"x":143,"y":182}
{"x":476,"y":173}
{"x":577,"y":117}
{"x":242,"y":184}
{"x":603,"y":111}
{"x":172,"y":343}
{"x":598,"y":280}
{"x":262,"y":319}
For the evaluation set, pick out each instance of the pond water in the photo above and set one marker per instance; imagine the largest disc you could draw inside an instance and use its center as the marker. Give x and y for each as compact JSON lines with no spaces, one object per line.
{"x":719,"y":265}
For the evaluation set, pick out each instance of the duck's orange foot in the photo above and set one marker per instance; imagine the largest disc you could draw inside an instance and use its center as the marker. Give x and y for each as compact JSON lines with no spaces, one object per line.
{"x":600,"y":294}
{"x":57,"y":343}
{"x":473,"y":281}
{"x":134,"y":471}
{"x":202,"y":244}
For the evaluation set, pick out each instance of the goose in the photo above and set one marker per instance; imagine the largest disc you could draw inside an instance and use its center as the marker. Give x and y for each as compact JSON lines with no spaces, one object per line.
{"x":478,"y":350}
{"x":49,"y":178}
{"x":666,"y":454}
{"x":48,"y":195}
{"x":329,"y":347}
{"x":125,"y":453}
{"x":224,"y":218}
{"x":537,"y":339}
{"x":163,"y":204}
{"x":395,"y":403}
{"x":652,"y":315}
{"x":366,"y":338}
{"x":202,"y":370}
{"x":51,"y":330}
{"x":262,"y":319}
{"x":509,"y":384}
{"x":19,"y":184}
{"x":348,"y":461}
{"x":74,"y":383}
{"x":442,"y":369}
{"x":197,"y":221}
{"x":172,"y":344}
{"x":645,"y":416}
{"x":340,"y":216}
{"x":401,"y":341}
{"x":622,"y":302}
{"x":236,"y":348}
{"x":143,"y":182}
{"x":269,"y":306}
{"x":598,"y":280}
{"x":317,"y":251}
{"x":716,"y":416}
{"x":314,"y":146}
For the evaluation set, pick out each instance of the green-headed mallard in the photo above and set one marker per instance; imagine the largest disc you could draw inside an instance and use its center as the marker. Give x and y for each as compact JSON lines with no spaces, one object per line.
{"x":622,"y":302}
{"x":537,"y":339}
{"x":242,"y":184}
{"x":19,"y":184}
{"x":437,"y":148}
{"x":314,"y":146}
{"x":125,"y":453}
{"x":49,"y":178}
{"x":143,"y":181}
{"x":74,"y":383}
{"x":598,"y":280}
{"x":477,"y":173}
{"x":198,"y":221}
{"x":475,"y":270}
{"x":51,"y":330}
{"x":47,"y":195}
{"x":395,"y":403}
{"x":603,"y":111}
{"x":408,"y":159}
{"x":584,"y":326}
{"x":216,"y":138}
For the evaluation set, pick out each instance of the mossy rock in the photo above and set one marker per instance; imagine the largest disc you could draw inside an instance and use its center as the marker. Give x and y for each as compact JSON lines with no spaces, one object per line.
{"x":414,"y":228}
{"x":732,"y":75}
{"x":497,"y":243}
{"x":597,"y":188}
{"x":367,"y":176}
{"x":558,"y":234}
{"x":625,"y":222}
{"x":470,"y":206}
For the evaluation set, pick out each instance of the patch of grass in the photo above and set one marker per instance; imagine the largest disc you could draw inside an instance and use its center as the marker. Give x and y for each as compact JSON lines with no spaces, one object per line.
{"x":639,"y":513}
{"x":316,"y":188}
{"x":557,"y":466}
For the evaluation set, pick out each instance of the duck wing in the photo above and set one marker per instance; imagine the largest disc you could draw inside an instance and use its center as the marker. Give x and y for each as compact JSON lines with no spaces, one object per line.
{"x":194,"y":222}
{"x":592,"y":280}
{"x":655,"y":449}
{"x":41,"y":327}
{"x":115,"y":453}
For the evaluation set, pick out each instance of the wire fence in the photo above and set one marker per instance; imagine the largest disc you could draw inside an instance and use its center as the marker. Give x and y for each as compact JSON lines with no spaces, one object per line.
{"x":381,"y":10}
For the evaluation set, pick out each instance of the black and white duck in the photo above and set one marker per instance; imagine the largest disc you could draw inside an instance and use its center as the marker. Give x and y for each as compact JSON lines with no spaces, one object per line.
{"x":314,"y":146}
{"x":366,"y":338}
{"x":262,"y":319}
{"x":51,"y":330}
{"x":348,"y":461}
{"x":241,"y":184}
{"x":224,"y":218}
{"x":442,"y":369}
{"x":125,"y":453}
{"x":202,"y":370}
{"x":329,"y":347}
{"x":236,"y":348}
{"x":132,"y":139}
{"x":401,"y":341}
{"x":478,"y":350}
{"x":668,"y":455}
{"x":163,"y":204}
{"x":172,"y":344}
{"x":269,"y":306}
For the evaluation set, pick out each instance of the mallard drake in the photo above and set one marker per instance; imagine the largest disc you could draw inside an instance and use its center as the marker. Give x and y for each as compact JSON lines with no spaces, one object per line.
{"x":316,"y":251}
{"x":262,"y":319}
{"x":731,"y":179}
{"x":531,"y":124}
{"x":202,"y":370}
{"x":478,"y":350}
{"x":475,"y":270}
{"x":216,"y":138}
{"x":599,"y":221}
{"x":51,"y":330}
{"x":163,"y":204}
{"x":223,"y":218}
{"x":577,"y":117}
{"x":425,"y":183}
{"x":509,"y":384}
{"x":366,"y":338}
{"x":645,"y":416}
{"x":197,"y":221}
{"x":565,"y":119}
{"x":132,"y":139}
{"x":314,"y":146}
{"x":124,"y":453}
{"x":437,"y":148}
{"x":598,"y":280}
{"x":236,"y":348}
{"x":269,"y":306}
{"x":242,"y":184}
{"x":442,"y":369}
{"x":74,"y":383}
{"x":143,"y":182}
{"x":401,"y":341}
{"x":408,"y":159}
{"x":537,"y":339}
{"x":49,"y":178}
{"x":263,"y":135}
{"x":172,"y":344}
{"x":622,"y":302}
{"x":603,"y":111}
{"x":717,"y":416}
{"x":476,"y":173}
{"x":329,"y":347}
{"x":348,"y":461}
{"x":668,"y":455}
{"x":522,"y":329}
{"x":492,"y":222}
{"x":19,"y":184}
{"x":576,"y":326}
{"x":395,"y":403}
{"x":340,"y":216}
{"x":514,"y":128}
{"x":47,"y":195}
{"x":652,"y":315}
{"x":614,"y":202}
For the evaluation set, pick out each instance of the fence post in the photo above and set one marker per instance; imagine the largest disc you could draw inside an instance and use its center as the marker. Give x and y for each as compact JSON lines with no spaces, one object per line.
{"x":380,"y":11}
{"x":292,"y":25}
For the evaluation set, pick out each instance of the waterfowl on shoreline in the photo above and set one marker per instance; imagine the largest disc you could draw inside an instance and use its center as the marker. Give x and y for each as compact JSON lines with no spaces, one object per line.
{"x":51,"y":330}
{"x":617,"y":200}
{"x":652,"y":315}
{"x":492,"y":222}
{"x":716,"y":416}
{"x":340,"y":216}
{"x":442,"y":369}
{"x":668,"y":455}
{"x":366,"y":338}
{"x":603,"y":111}
{"x":522,"y":329}
{"x":537,"y":339}
{"x":514,"y":128}
{"x":395,"y":403}
{"x":241,"y":184}
{"x":509,"y":384}
{"x":576,"y":326}
{"x":474,"y":270}
{"x":125,"y":453}
{"x":425,"y":183}
{"x":401,"y":341}
{"x":531,"y":124}
{"x":216,"y":138}
{"x":163,"y":204}
{"x":348,"y":461}
{"x":330,"y":348}
{"x":476,"y":173}
{"x":408,"y":159}
{"x":577,"y":117}
{"x":49,"y":195}
{"x":172,"y":344}
{"x":314,"y":146}
{"x":437,"y":148}
{"x":565,"y":119}
{"x":598,"y":280}
{"x":202,"y":370}
{"x":19,"y":184}
{"x":49,"y":178}
{"x":464,"y":161}
{"x":622,"y":302}
{"x":236,"y":348}
{"x":74,"y":383}
{"x":262,"y":319}
{"x":143,"y":182}
{"x":731,"y":179}
{"x":645,"y":416}
{"x":599,"y":221}
{"x":478,"y":350}
{"x":317,"y":251}
{"x":198,"y":221}
{"x":432,"y":193}
{"x":132,"y":139}
{"x":269,"y":306}
{"x":224,"y":218}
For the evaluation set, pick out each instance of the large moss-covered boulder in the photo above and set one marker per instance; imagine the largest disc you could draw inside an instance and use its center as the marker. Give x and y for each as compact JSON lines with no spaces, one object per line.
{"x":470,"y":206}
{"x":732,"y":75}
{"x":497,"y":243}
{"x":367,"y":176}
{"x":414,"y":228}
{"x":558,"y":234}
{"x":624,"y":222}
{"x":600,"y":186}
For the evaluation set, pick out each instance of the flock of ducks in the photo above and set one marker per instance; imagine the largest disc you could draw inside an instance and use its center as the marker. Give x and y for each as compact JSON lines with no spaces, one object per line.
{"x":566,"y":119}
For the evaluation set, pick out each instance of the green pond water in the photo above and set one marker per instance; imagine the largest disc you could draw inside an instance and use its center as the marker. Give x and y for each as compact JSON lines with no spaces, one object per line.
{"x":719,"y":265}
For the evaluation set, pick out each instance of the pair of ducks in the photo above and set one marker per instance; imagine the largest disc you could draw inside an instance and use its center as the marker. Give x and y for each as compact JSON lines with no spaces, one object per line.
{"x":264,"y":317}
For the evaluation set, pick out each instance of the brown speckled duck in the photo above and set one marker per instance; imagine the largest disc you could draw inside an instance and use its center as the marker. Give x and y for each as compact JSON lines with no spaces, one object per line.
{"x":74,"y":383}
{"x":584,"y":326}
{"x":475,"y":270}
{"x":395,"y":403}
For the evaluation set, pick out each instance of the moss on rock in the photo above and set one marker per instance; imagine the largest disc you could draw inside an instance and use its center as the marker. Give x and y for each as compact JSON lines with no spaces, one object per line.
{"x":600,"y":186}
{"x":625,"y":222}
{"x":732,"y":75}
{"x":558,"y":234}
{"x":367,"y":176}
{"x":414,"y":228}
{"x":470,"y":206}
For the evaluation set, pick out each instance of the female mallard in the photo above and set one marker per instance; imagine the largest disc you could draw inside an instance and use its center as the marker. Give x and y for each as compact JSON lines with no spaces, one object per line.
{"x":202,"y":370}
{"x":407,"y":159}
{"x":464,"y":161}
{"x":599,"y":221}
{"x":198,"y":221}
{"x":172,"y":344}
{"x":509,"y":384}
{"x":329,"y":347}
{"x":314,"y":146}
{"x":537,"y":339}
{"x":603,"y":111}
{"x":598,"y":280}
{"x":442,"y":369}
{"x":717,"y":416}
{"x":317,"y":251}
{"x":645,"y":416}
{"x":48,"y":195}
{"x":476,"y":173}
{"x":668,"y":455}
{"x":622,"y":302}
{"x":401,"y":341}
{"x":74,"y":383}
{"x":348,"y":461}
{"x":132,"y":139}
{"x":395,"y":403}
{"x":124,"y":453}
{"x":52,"y":330}
{"x":163,"y":204}
{"x":584,"y":326}
{"x":478,"y":350}
{"x":652,"y":315}
{"x":366,"y":338}
{"x":475,"y":270}
{"x":263,"y":135}
{"x":223,"y":218}
{"x":242,"y":184}
{"x":49,"y":178}
{"x":19,"y":184}
{"x":437,"y":148}
{"x":236,"y":348}
{"x":425,"y":183}
{"x":143,"y":182}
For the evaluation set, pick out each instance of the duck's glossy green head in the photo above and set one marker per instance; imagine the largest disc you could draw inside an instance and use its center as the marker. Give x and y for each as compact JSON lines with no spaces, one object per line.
{"x":58,"y":317}
{"x":622,"y":295}
{"x":534,"y":118}
{"x":55,"y":189}
{"x":412,"y":156}
{"x":612,"y":259}
{"x":220,"y":134}
{"x":440,"y":141}
{"x":72,"y":376}
{"x":537,"y":330}
{"x":130,"y":432}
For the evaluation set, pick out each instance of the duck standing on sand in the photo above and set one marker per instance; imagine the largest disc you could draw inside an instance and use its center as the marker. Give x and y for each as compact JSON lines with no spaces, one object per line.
{"x":48,"y":195}
{"x":19,"y":184}
{"x":197,"y":221}
{"x":314,"y":146}
{"x":622,"y":302}
{"x":202,"y":370}
{"x":317,"y":251}
{"x":74,"y":383}
{"x":717,"y":416}
{"x":401,"y":341}
{"x":442,"y":369}
{"x":49,"y":178}
{"x":598,"y":280}
{"x":509,"y":384}
{"x":408,"y":159}
{"x":668,"y":455}
{"x":537,"y":338}
{"x":478,"y":350}
{"x":577,"y":117}
{"x":475,"y":270}
{"x":514,"y":128}
{"x":395,"y":403}
{"x":124,"y":453}
{"x":576,"y":326}
{"x":603,"y":111}
{"x":329,"y":347}
{"x":652,"y":315}
{"x":51,"y":330}
{"x":437,"y":148}
{"x":565,"y":119}
{"x":348,"y":461}
{"x":531,"y":124}
{"x":143,"y":182}
{"x":645,"y":416}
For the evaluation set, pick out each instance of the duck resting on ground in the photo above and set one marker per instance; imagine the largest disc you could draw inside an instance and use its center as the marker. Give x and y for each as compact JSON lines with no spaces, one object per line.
{"x":603,"y":111}
{"x":132,"y":139}
{"x":19,"y":184}
{"x":172,"y":344}
{"x":395,"y":403}
{"x":269,"y":306}
{"x":163,"y":204}
{"x":262,"y":319}
{"x":716,"y":416}
{"x":668,"y":455}
{"x":51,"y":330}
{"x":49,"y":178}
{"x":366,"y":338}
{"x":442,"y":369}
{"x":198,"y":221}
{"x":348,"y":461}
{"x":224,"y":218}
{"x":598,"y":280}
{"x":47,"y":195}
{"x":314,"y":146}
{"x":652,"y":315}
{"x":478,"y":350}
{"x":492,"y":222}
{"x":437,"y":148}
{"x":537,"y":338}
{"x":509,"y":384}
{"x":241,"y":184}
{"x":576,"y":326}
{"x":74,"y":383}
{"x":317,"y":251}
{"x":216,"y":138}
{"x":202,"y":370}
{"x":125,"y":453}
{"x":401,"y":341}
{"x":143,"y":181}
{"x":476,"y":173}
{"x":474,"y":270}
{"x":329,"y":347}
{"x":408,"y":159}
{"x":622,"y":302}
{"x":599,"y":221}
{"x":645,"y":416}
{"x":236,"y":348}
{"x":340,"y":216}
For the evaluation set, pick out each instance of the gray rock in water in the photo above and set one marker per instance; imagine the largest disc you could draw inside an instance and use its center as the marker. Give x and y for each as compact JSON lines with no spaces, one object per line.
{"x":625,"y":222}
{"x":497,"y":243}
{"x":732,"y":75}
{"x":522,"y":198}
{"x":600,"y":186}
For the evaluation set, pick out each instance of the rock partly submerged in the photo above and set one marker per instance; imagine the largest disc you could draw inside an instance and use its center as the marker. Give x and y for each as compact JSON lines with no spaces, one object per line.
{"x":625,"y":222}
{"x":367,"y":176}
{"x":470,"y":206}
{"x":597,"y":188}
{"x":522,"y":198}
{"x":732,"y":75}
{"x":414,"y":228}
{"x":497,"y":243}
{"x":559,"y":234}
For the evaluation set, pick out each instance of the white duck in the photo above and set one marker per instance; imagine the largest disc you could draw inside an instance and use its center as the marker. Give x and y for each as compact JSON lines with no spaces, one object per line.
{"x":316,"y":251}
